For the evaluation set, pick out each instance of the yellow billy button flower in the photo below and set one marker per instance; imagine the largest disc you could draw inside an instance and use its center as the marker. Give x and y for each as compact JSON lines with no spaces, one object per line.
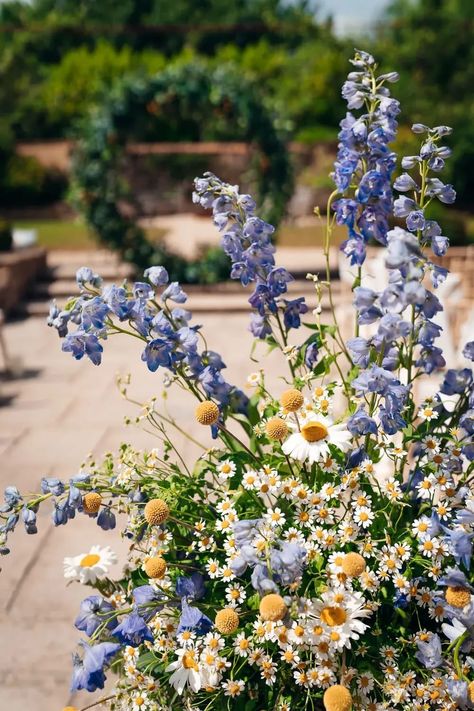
{"x":276,"y":428}
{"x":314,"y":431}
{"x":353,"y":565}
{"x":70,"y":708}
{"x":207,"y":413}
{"x":470,"y":691}
{"x":91,"y":502}
{"x":156,"y":512}
{"x":155,"y":567}
{"x":337,"y":698}
{"x":272,"y":608}
{"x":458,"y":596}
{"x":227,"y":620}
{"x":291,"y":400}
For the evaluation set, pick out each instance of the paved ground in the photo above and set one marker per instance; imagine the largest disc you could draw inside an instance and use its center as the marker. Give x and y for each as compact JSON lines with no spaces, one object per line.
{"x":58,"y":412}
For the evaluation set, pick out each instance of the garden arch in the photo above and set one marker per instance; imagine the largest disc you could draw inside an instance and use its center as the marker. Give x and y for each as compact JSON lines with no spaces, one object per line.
{"x":191,"y":93}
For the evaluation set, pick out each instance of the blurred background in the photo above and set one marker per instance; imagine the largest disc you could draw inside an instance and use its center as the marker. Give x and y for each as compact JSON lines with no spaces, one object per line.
{"x":108,"y":111}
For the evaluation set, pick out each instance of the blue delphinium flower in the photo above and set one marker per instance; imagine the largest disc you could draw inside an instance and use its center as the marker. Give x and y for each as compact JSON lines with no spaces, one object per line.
{"x":246,"y":239}
{"x":170,"y":341}
{"x":88,"y":672}
{"x":94,"y":612}
{"x":429,"y":653}
{"x":364,"y":158}
{"x":133,"y":630}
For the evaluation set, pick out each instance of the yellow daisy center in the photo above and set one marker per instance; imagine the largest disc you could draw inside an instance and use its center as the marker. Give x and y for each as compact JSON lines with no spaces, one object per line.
{"x":314,"y":431}
{"x":333,"y":616}
{"x":89,"y":560}
{"x":189,"y":662}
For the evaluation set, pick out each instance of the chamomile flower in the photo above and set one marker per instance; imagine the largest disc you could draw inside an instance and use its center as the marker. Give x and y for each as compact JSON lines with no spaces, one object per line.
{"x":91,"y":566}
{"x":312,"y":442}
{"x":233,"y":688}
{"x":235,"y":594}
{"x":226,"y":469}
{"x":427,"y":412}
{"x":185,"y":671}
{"x":140,"y":701}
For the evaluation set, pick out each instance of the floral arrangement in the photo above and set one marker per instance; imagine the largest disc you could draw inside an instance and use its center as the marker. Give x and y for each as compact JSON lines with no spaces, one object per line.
{"x":319,"y":555}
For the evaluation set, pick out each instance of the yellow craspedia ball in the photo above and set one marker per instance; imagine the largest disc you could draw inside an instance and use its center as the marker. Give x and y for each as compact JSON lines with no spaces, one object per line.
{"x":70,"y":708}
{"x":353,"y":565}
{"x":337,"y":698}
{"x":272,"y":608}
{"x":276,"y":428}
{"x":155,"y":567}
{"x":470,"y":691}
{"x":227,"y":620}
{"x":207,"y":413}
{"x":156,"y":512}
{"x":91,"y":502}
{"x":458,"y":596}
{"x":291,"y":400}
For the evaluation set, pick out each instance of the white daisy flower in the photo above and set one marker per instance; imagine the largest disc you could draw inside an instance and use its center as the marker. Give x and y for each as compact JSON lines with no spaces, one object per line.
{"x":233,"y":687}
{"x":140,"y":701}
{"x":254,"y":379}
{"x":235,"y":594}
{"x":185,"y":671}
{"x":226,"y":469}
{"x":427,"y":412}
{"x":312,"y":442}
{"x":89,"y":567}
{"x":363,"y":516}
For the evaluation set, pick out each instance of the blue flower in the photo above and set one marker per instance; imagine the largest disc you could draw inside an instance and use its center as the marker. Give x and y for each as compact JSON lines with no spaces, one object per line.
{"x":429,"y":653}
{"x":468,"y":350}
{"x":158,"y":353}
{"x":193,"y":619}
{"x":80,"y":344}
{"x":106,"y":519}
{"x":361,"y":424}
{"x":190,"y":587}
{"x":85,"y":275}
{"x":158,"y":276}
{"x":94,"y":612}
{"x":133,"y":630}
{"x":175,"y":293}
{"x":88,"y":673}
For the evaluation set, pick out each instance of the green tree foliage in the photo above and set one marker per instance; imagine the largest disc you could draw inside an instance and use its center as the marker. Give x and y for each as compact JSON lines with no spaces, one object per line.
{"x":430,"y":43}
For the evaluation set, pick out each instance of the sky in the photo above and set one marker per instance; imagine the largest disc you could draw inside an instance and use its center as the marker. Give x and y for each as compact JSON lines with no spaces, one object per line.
{"x":352,"y":15}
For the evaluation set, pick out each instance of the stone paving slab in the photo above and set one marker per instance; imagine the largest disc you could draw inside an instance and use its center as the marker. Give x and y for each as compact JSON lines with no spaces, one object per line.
{"x":57,"y":415}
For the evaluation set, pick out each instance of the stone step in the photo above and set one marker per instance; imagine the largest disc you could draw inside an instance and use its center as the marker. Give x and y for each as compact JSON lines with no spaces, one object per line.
{"x":224,"y":298}
{"x":64,"y":288}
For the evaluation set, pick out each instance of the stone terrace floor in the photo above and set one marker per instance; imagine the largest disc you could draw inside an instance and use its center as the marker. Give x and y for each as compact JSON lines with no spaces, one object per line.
{"x":51,"y":417}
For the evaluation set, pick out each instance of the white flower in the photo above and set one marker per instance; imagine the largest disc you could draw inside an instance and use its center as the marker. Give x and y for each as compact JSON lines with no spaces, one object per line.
{"x":312,"y":442}
{"x":233,"y":688}
{"x":254,"y":379}
{"x":427,"y":412}
{"x":364,"y":516}
{"x":235,"y":594}
{"x":339,"y":614}
{"x":226,"y":469}
{"x":275,"y":517}
{"x":185,"y":671}
{"x":140,"y":701}
{"x":88,"y":567}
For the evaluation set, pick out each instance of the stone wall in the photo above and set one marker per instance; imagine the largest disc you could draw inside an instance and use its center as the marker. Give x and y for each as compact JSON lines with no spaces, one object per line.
{"x":18,"y":271}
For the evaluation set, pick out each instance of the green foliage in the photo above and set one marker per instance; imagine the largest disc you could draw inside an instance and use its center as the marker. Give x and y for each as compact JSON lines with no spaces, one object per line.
{"x":77,"y":82}
{"x":26,"y":182}
{"x":430,"y":43}
{"x":6,"y":239}
{"x":209,"y":103}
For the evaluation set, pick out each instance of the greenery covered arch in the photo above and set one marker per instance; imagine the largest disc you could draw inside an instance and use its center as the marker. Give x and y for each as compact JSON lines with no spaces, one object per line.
{"x":205,"y":103}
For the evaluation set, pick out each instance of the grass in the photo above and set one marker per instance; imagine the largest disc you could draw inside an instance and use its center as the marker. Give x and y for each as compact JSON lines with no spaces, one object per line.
{"x":69,"y":234}
{"x":73,"y":234}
